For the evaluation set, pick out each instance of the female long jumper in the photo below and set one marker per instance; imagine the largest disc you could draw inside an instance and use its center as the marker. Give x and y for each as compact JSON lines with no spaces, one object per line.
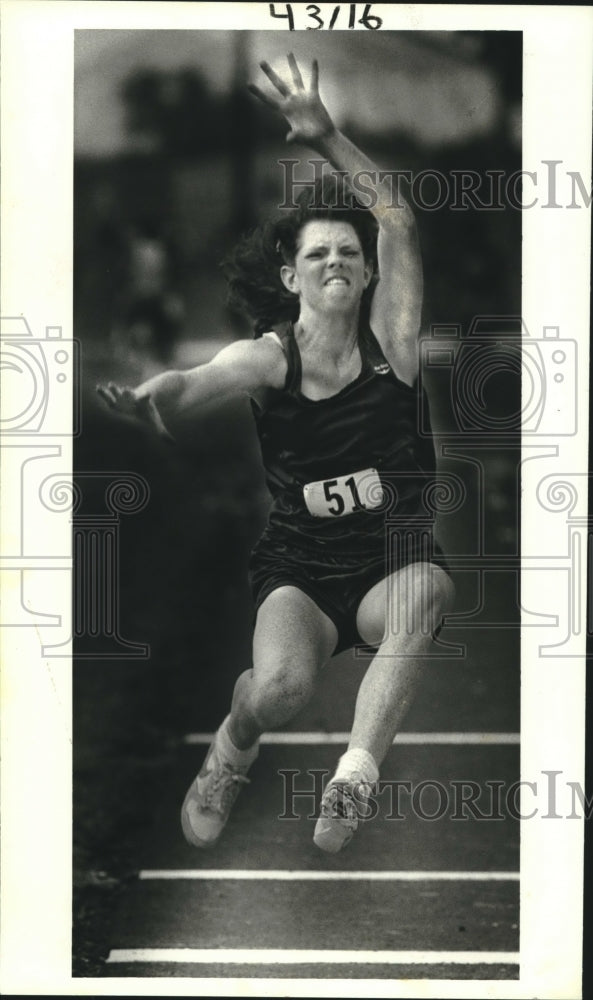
{"x":336,"y":295}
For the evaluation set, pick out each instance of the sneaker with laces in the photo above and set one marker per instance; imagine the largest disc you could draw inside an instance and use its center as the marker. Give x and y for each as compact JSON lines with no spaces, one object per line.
{"x":343,"y":805}
{"x":210,"y":798}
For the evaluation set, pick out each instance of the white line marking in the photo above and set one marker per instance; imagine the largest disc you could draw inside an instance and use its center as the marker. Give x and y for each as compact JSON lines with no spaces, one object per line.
{"x":308,"y":738}
{"x":289,"y":875}
{"x":280,"y":956}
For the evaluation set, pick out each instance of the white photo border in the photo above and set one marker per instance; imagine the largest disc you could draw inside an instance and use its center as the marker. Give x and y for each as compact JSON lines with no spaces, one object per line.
{"x":37,"y":202}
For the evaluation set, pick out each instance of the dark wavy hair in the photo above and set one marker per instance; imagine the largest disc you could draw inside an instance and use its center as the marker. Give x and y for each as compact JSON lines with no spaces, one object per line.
{"x":252,"y":269}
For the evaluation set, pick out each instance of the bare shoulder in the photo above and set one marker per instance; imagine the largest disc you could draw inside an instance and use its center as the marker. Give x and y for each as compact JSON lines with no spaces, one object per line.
{"x":256,"y":364}
{"x":270,"y":360}
{"x":402,"y":353}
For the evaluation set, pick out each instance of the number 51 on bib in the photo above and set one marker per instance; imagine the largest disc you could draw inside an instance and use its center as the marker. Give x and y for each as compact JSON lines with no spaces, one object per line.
{"x":344,"y":495}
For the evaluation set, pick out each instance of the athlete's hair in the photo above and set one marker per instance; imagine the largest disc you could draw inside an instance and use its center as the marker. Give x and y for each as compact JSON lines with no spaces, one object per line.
{"x":252,"y":270}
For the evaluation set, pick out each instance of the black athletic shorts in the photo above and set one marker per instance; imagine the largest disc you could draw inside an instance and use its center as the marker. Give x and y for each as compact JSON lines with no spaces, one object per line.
{"x":336,"y":583}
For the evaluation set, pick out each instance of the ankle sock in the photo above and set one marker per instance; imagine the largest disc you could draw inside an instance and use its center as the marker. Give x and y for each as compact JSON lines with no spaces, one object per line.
{"x":357,"y":762}
{"x":240,"y":758}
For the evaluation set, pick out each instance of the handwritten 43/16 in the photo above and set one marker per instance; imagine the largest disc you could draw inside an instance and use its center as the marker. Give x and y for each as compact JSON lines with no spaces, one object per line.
{"x":311,"y":12}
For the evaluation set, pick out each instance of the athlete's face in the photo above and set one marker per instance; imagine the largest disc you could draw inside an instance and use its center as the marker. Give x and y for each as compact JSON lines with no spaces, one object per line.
{"x":329,"y":272}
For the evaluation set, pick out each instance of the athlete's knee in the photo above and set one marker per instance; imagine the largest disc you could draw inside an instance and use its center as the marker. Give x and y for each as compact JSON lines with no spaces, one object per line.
{"x":277,"y":696}
{"x":441,"y":589}
{"x":428,"y":593}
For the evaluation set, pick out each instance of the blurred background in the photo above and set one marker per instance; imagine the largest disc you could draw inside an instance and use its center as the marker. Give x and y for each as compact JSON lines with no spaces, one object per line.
{"x":174,"y":158}
{"x":173,"y":161}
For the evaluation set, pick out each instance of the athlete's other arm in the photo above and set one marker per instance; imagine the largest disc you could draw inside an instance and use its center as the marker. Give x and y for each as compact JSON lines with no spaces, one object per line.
{"x":397,"y":301}
{"x":244,"y":367}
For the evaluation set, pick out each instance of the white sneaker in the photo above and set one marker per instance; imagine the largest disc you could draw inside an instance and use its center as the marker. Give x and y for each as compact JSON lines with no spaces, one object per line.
{"x":343,"y":805}
{"x":210,"y":798}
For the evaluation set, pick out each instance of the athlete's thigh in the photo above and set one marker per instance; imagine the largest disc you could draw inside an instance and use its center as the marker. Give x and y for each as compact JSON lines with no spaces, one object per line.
{"x":291,"y":634}
{"x":405,"y":601}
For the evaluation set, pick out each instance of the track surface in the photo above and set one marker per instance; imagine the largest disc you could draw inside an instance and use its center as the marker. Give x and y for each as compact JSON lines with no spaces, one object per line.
{"x":400,"y":910}
{"x":185,"y":594}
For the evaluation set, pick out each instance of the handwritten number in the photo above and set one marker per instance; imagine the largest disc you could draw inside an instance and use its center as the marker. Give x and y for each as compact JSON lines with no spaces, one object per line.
{"x":367,"y":18}
{"x":288,"y":16}
{"x":334,"y":17}
{"x":314,"y":11}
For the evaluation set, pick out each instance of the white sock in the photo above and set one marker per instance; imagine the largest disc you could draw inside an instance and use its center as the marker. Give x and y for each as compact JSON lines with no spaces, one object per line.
{"x":240,"y":758}
{"x":357,"y":762}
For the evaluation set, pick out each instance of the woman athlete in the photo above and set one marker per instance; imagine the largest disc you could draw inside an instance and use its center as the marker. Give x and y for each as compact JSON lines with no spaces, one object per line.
{"x":332,"y":373}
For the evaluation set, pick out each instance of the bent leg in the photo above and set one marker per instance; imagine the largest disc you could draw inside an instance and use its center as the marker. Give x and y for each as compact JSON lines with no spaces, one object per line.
{"x":293,"y":639}
{"x":400,"y":615}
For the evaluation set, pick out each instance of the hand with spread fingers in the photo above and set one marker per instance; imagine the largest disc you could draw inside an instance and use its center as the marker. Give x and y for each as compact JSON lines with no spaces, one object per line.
{"x":131,"y":403}
{"x":302,"y":107}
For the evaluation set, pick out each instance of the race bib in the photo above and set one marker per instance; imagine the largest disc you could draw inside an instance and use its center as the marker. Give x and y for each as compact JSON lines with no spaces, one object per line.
{"x":345,"y":495}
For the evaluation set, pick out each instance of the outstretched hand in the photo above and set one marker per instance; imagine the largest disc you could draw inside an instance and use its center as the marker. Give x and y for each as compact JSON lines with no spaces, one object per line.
{"x":126,"y":401}
{"x":303,"y":108}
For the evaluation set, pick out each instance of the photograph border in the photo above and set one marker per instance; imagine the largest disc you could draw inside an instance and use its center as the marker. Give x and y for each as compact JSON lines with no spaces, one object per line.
{"x":37,"y":226}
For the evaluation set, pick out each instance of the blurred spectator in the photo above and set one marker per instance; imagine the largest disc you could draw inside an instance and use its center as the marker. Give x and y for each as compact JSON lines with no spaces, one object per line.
{"x":152,"y":312}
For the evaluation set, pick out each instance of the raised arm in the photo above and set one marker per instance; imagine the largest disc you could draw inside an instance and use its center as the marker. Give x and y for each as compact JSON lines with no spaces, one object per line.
{"x":397,"y":302}
{"x":244,"y":367}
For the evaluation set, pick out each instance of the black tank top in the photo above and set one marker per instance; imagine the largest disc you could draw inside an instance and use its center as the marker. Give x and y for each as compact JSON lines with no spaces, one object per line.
{"x":370,"y":424}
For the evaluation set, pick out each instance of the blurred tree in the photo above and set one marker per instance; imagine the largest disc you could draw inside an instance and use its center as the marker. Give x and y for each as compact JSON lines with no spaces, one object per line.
{"x":177,"y":114}
{"x":502,"y":52}
{"x":175,"y":111}
{"x":243,"y":136}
